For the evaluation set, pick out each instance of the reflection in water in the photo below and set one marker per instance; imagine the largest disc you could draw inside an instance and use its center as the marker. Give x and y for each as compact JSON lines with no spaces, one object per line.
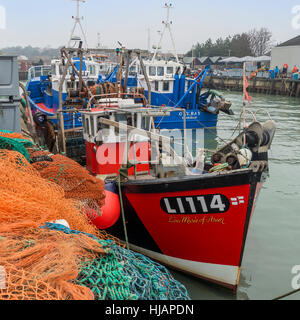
{"x":210,"y":141}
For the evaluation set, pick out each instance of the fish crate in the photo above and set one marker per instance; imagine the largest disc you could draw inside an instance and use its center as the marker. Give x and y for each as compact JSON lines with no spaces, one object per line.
{"x":10,"y":117}
{"x":10,"y":114}
{"x":9,"y":78}
{"x":75,"y":147}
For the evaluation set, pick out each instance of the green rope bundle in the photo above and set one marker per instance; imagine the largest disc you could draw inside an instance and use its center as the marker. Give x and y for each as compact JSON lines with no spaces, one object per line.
{"x":15,"y":144}
{"x":126,"y":275}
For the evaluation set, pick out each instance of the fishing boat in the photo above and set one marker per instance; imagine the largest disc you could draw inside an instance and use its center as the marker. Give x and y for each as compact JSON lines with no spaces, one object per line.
{"x":165,"y":84}
{"x":191,"y":217}
{"x":43,"y":87}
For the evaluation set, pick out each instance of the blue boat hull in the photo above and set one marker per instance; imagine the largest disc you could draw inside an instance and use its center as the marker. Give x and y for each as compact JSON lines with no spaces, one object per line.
{"x":195,"y":118}
{"x":41,"y":101}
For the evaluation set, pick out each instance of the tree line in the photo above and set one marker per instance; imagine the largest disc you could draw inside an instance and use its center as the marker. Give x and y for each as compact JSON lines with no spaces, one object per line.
{"x":253,"y":43}
{"x":31,"y":52}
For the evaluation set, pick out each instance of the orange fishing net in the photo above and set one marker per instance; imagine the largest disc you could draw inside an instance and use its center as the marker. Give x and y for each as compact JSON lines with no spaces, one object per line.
{"x":28,"y":200}
{"x":40,"y":264}
{"x":76,"y":182}
{"x":74,"y":179}
{"x":43,"y":264}
{"x":12,"y":135}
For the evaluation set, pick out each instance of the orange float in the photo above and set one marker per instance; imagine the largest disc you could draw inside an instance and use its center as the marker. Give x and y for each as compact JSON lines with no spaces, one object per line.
{"x":111,"y":210}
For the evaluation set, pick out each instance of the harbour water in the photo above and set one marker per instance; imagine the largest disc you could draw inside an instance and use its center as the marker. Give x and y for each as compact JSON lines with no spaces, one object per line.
{"x":273,"y":243}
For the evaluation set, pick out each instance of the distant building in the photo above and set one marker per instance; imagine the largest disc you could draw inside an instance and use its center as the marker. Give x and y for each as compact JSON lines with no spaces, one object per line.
{"x":23,"y":63}
{"x":191,"y":62}
{"x":287,"y":53}
{"x":216,"y":60}
{"x":199,"y":63}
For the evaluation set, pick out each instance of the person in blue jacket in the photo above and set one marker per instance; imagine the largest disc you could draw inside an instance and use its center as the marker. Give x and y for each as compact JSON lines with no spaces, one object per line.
{"x":277,"y":72}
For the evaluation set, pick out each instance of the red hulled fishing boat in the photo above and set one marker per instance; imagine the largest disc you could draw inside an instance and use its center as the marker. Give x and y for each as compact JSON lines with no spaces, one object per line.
{"x":189,"y":217}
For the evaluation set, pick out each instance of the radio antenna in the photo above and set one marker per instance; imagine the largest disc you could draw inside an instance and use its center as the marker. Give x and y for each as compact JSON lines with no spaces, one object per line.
{"x":167,"y":25}
{"x":78,"y":21}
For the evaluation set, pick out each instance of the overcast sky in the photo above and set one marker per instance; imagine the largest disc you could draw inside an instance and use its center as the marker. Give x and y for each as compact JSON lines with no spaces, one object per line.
{"x":49,"y":22}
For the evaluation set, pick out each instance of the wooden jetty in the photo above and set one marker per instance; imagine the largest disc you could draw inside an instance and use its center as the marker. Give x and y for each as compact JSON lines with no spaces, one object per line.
{"x":284,"y":87}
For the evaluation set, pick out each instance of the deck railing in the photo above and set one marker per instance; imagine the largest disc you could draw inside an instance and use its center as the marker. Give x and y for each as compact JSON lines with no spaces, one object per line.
{"x":38,"y":71}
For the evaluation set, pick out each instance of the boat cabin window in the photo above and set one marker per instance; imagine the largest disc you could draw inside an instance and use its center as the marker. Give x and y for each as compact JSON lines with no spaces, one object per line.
{"x":87,"y":126}
{"x":132,"y":71}
{"x":120,"y":118}
{"x":104,"y":128}
{"x":31,"y":73}
{"x":170,"y":70}
{"x":38,"y":71}
{"x":146,"y":123}
{"x":69,"y":85}
{"x":70,"y":70}
{"x":160,"y":71}
{"x":83,"y":123}
{"x":156,"y":85}
{"x":61,"y":69}
{"x":92,"y":70}
{"x":152,"y":71}
{"x":166,"y":86}
{"x":92,"y":127}
{"x":53,"y":69}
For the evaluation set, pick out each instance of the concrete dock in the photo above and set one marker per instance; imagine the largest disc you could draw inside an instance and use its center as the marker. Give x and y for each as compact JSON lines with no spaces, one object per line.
{"x":284,"y":87}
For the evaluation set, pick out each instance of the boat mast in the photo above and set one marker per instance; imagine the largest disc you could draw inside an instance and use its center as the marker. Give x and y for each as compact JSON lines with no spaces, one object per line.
{"x":167,"y":25}
{"x":149,"y":41}
{"x":78,"y":21}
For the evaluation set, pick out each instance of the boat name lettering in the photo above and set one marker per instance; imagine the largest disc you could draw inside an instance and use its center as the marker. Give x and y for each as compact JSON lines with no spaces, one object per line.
{"x":205,"y":204}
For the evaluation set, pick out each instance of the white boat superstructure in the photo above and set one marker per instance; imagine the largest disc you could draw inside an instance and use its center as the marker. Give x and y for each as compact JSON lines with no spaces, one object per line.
{"x":160,"y":74}
{"x":91,"y":71}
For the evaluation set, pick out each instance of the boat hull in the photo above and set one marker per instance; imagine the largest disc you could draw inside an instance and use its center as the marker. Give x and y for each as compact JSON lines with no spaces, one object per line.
{"x":197,"y":225}
{"x":194,"y":117}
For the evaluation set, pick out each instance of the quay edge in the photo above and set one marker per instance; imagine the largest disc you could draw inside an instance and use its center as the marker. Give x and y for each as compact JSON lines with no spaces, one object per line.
{"x":283,"y":87}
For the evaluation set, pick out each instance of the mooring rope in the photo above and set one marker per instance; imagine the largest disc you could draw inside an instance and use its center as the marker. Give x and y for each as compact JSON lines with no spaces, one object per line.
{"x":287,"y":294}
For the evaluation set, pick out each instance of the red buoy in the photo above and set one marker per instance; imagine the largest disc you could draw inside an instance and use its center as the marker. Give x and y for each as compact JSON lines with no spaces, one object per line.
{"x":111,"y":210}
